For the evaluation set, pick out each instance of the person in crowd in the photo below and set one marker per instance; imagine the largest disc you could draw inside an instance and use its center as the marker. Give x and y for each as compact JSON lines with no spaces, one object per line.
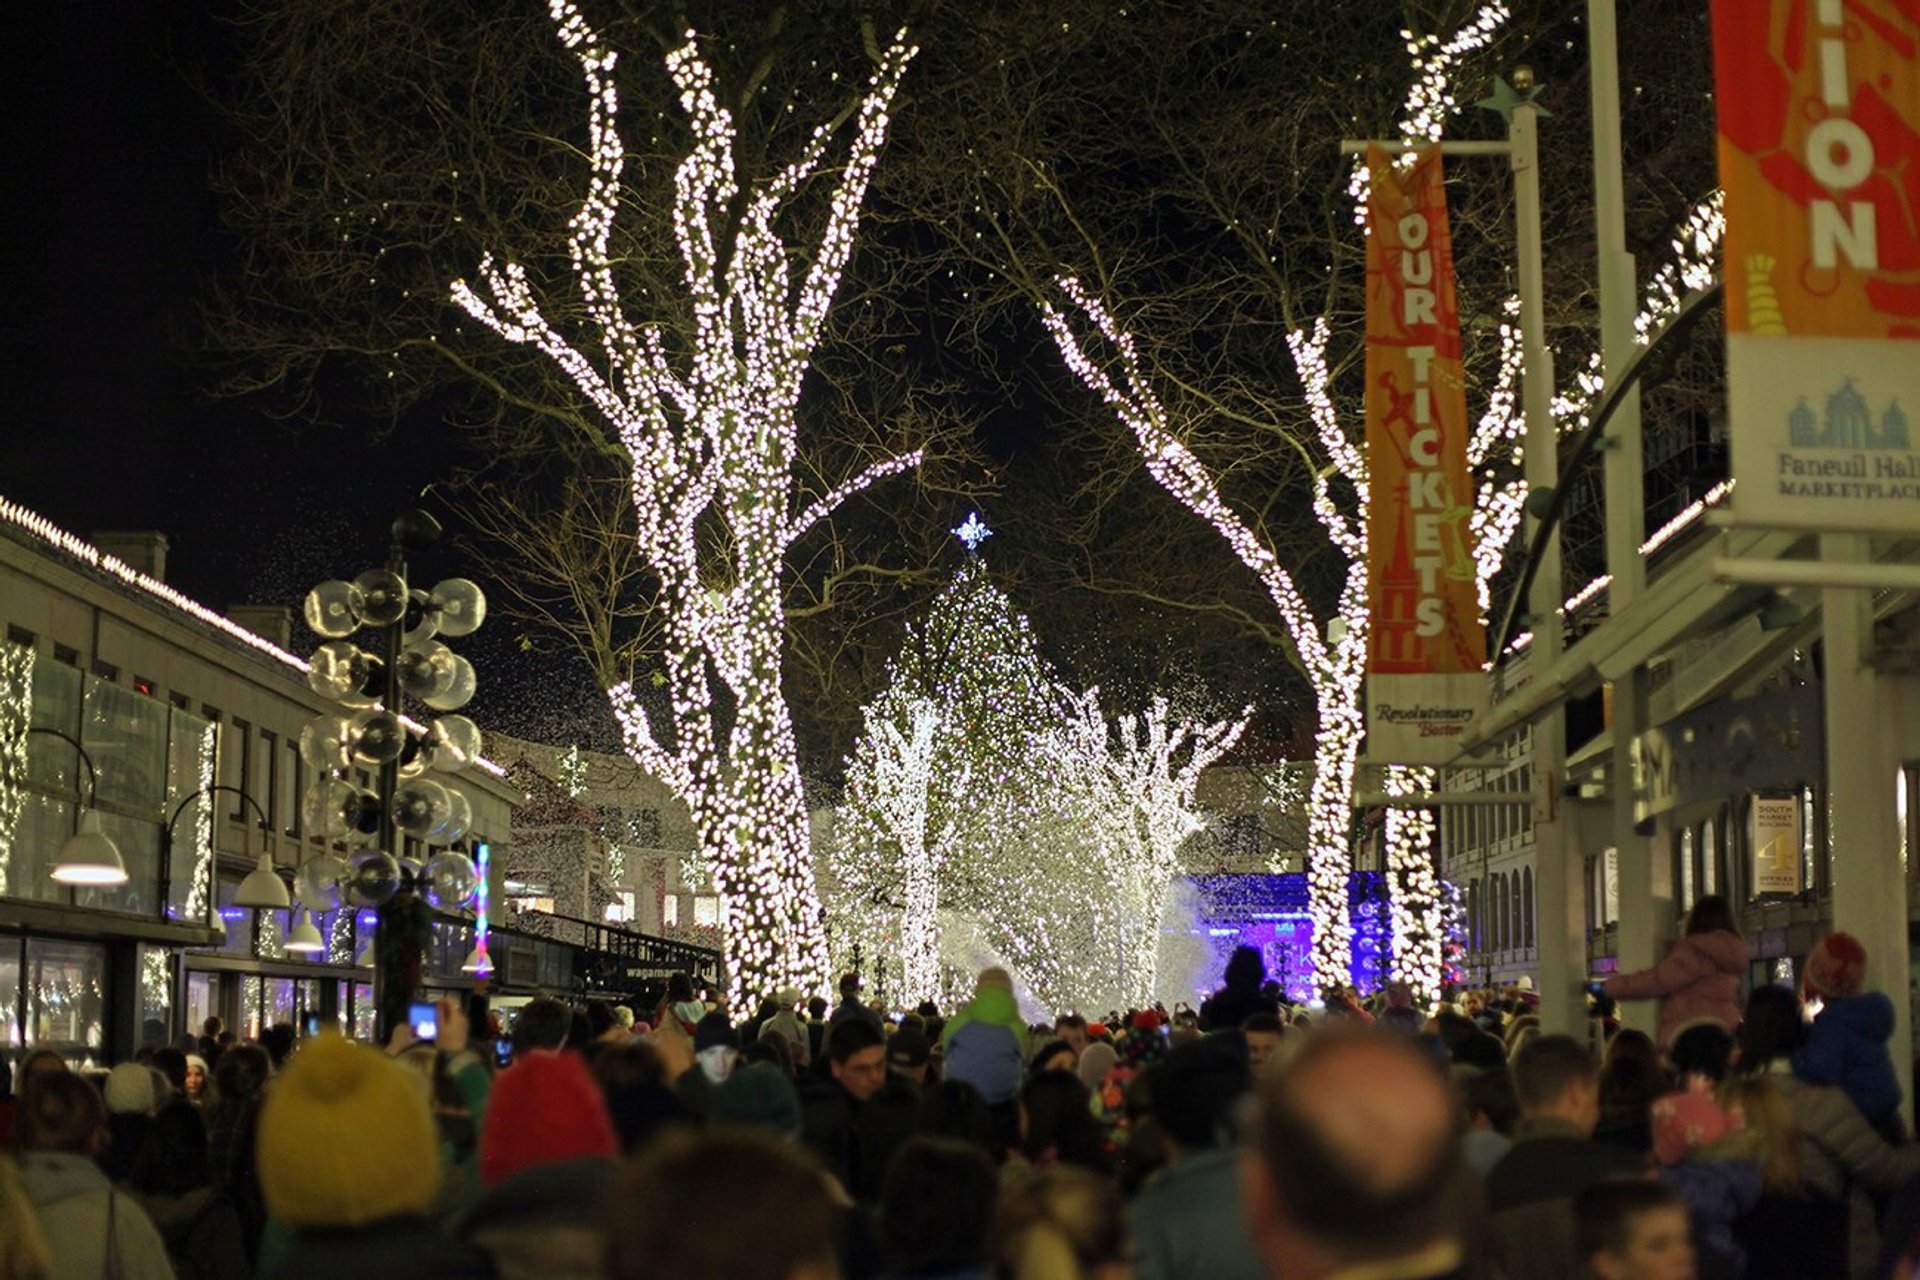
{"x":937,"y":1207}
{"x":730,"y":1205}
{"x":1072,"y":1028}
{"x":851,"y":1007}
{"x":210,"y":1032}
{"x":758,"y":1096}
{"x":1057,"y":1125}
{"x":547,"y":1153}
{"x":350,"y":1164}
{"x":1631,"y":1078}
{"x":817,"y":1032}
{"x":640,"y":1100}
{"x":785,"y":1023}
{"x":1700,"y":976}
{"x":1847,"y":1041}
{"x":197,"y":1079}
{"x":1067,"y":1224}
{"x":1187,"y":1222}
{"x":1099,"y":1059}
{"x":1554,"y":1157}
{"x":171,"y":1177}
{"x":1055,"y":1055}
{"x":954,"y":1109}
{"x":856,"y":1118}
{"x":1692,"y":1130}
{"x":23,"y":1250}
{"x":278,"y":1040}
{"x":716,"y":1048}
{"x":90,"y":1229}
{"x":622,"y":1018}
{"x":1836,"y":1149}
{"x":239,"y":1081}
{"x":1352,"y":1166}
{"x":1399,"y":1013}
{"x":1492,"y":1111}
{"x":543,"y":1024}
{"x":1633,"y":1229}
{"x":909,"y":1056}
{"x":130,"y":1100}
{"x":1263,"y":1033}
{"x":172,"y":1064}
{"x":986,"y":1041}
{"x":679,"y":1005}
{"x":1241,"y":995}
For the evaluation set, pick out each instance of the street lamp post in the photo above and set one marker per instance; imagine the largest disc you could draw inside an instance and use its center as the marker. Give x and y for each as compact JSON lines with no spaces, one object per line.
{"x":407,"y":661}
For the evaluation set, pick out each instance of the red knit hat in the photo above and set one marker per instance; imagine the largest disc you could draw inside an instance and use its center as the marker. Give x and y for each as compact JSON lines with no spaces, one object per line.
{"x":544,"y":1109}
{"x":1837,"y":967}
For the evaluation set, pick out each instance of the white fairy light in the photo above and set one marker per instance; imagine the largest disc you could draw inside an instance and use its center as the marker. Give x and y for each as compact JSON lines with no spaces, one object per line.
{"x":713,"y":436}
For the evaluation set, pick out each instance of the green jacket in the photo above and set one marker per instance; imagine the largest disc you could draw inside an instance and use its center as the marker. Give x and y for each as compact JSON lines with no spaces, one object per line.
{"x":993,"y":1005}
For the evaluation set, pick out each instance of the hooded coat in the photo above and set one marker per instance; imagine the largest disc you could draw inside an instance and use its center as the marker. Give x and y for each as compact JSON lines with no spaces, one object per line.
{"x":1699,"y":978}
{"x":91,"y":1229}
{"x":1847,"y":1046}
{"x":986,"y":1044}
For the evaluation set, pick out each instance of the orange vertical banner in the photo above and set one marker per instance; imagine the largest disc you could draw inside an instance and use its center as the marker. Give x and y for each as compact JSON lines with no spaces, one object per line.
{"x":1818,"y":115}
{"x":1427,"y":648}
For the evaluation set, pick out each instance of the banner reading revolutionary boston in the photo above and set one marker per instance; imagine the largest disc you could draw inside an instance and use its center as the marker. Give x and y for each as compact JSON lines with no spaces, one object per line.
{"x":1818,"y":103}
{"x":1427,"y":646}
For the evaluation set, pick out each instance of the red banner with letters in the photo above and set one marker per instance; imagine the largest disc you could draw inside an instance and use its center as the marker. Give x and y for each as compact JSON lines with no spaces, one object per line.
{"x":1427,"y":647}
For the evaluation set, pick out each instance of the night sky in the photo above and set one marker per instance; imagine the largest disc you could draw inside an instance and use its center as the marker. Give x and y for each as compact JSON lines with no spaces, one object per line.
{"x":111,"y":418}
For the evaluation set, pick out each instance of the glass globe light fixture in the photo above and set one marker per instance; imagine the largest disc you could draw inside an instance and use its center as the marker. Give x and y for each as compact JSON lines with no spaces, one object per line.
{"x":325,"y":807}
{"x":426,"y":670}
{"x":422,"y":620}
{"x":372,"y":879}
{"x":451,"y":880}
{"x":456,"y":742}
{"x":419,"y":805}
{"x":323,"y":742}
{"x":462,"y":606}
{"x":338,"y":670}
{"x":332,"y":609}
{"x":384,"y":597}
{"x":458,"y":819}
{"x":460,"y":691}
{"x":378,"y":737}
{"x":317,"y":883}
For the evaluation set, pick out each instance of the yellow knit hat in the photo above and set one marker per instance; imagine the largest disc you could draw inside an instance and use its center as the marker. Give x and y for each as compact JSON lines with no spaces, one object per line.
{"x":345,"y":1139}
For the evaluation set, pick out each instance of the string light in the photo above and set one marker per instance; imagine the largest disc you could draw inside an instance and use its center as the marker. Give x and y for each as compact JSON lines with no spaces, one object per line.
{"x":714,"y":436}
{"x":16,"y":718}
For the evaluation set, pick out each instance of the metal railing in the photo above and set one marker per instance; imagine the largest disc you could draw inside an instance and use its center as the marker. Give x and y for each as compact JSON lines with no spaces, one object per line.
{"x":625,"y":953}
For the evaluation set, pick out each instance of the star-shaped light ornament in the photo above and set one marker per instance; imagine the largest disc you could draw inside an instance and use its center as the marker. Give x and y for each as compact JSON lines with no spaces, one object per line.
{"x":1506,"y":97}
{"x":972,"y":532}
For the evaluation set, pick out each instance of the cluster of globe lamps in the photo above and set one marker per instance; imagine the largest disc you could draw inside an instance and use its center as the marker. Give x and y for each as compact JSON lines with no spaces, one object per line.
{"x":417,"y":796}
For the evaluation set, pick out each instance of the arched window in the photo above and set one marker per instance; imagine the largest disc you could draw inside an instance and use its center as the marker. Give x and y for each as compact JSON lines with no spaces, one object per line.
{"x":1513,"y":908}
{"x":1526,"y":908}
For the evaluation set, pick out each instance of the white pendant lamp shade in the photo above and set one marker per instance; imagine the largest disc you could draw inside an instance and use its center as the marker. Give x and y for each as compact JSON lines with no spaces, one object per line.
{"x":476,"y":962}
{"x":88,"y":857}
{"x":263,"y":889}
{"x":304,"y":938}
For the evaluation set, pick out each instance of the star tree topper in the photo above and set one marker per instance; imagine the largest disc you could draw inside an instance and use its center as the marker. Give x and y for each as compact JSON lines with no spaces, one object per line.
{"x":972,"y":532}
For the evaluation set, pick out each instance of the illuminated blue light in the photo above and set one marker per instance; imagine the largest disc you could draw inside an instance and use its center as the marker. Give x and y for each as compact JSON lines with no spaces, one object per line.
{"x":973,"y":531}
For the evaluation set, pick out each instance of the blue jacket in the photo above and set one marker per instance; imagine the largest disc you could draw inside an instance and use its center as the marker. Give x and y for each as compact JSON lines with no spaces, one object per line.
{"x":987,"y":1056}
{"x":1847,"y":1046}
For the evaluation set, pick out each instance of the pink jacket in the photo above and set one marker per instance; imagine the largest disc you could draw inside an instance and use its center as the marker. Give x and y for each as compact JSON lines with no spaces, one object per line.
{"x":1700,"y":978}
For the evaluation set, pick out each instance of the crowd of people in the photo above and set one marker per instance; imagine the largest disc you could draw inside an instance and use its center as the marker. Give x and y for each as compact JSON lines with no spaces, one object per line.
{"x":1352,"y":1139}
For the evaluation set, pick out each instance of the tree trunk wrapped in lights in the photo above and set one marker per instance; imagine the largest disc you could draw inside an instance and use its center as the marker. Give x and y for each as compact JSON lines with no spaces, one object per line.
{"x":711,"y":436}
{"x":1139,"y":778}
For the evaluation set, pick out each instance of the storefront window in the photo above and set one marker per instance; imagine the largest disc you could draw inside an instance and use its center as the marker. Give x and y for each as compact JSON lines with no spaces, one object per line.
{"x":156,"y":996}
{"x":203,"y":999}
{"x":42,"y":824}
{"x":65,"y":1004}
{"x":238,"y":921}
{"x":52,"y":763}
{"x":250,"y":996}
{"x":363,"y":1012}
{"x":139,"y":843}
{"x":282,"y":1002}
{"x":125,"y":733}
{"x":10,"y":1030}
